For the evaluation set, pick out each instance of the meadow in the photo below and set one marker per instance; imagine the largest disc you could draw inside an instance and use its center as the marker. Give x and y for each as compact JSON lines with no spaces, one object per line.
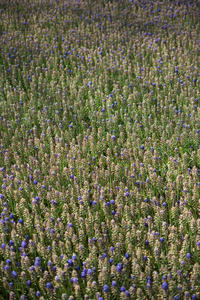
{"x":99,"y":149}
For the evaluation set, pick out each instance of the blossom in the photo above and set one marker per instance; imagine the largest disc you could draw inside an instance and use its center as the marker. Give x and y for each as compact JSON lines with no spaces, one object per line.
{"x":165,"y":286}
{"x":23,"y":244}
{"x":14,"y":274}
{"x":49,"y":285}
{"x":106,"y":288}
{"x":119,"y":267}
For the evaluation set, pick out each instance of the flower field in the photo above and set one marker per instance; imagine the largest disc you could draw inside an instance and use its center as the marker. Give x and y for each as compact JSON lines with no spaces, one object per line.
{"x":99,"y":149}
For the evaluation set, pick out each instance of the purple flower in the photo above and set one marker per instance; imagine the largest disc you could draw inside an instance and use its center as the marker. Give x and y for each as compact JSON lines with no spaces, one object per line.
{"x":188,"y":255}
{"x":23,"y":244}
{"x":89,"y":272}
{"x":3,"y":246}
{"x":14,"y":274}
{"x":1,"y":196}
{"x":122,"y":289}
{"x":35,"y":182}
{"x":37,"y":263}
{"x":49,"y":264}
{"x":165,"y":286}
{"x":75,"y":280}
{"x":83,"y":274}
{"x":106,"y":288}
{"x":74,"y":257}
{"x":49,"y":285}
{"x":127,"y":293}
{"x":3,"y":187}
{"x":114,"y":283}
{"x":21,"y":221}
{"x":113,"y":137}
{"x":127,"y":194}
{"x":127,"y":255}
{"x":6,"y":268}
{"x":11,"y":242}
{"x":119,"y":267}
{"x":70,"y":262}
{"x":28,"y":283}
{"x":162,"y":239}
{"x":38,"y":294}
{"x":8,"y":261}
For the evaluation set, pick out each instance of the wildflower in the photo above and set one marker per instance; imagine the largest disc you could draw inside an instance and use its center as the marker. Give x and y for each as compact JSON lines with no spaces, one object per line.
{"x":3,"y":246}
{"x":114,"y":283}
{"x":83,"y":274}
{"x":106,"y":288}
{"x":119,"y":267}
{"x":49,"y":264}
{"x":23,"y":244}
{"x":127,"y":255}
{"x":49,"y":285}
{"x":6,"y":268}
{"x":8,"y":261}
{"x":70,"y":262}
{"x":14,"y":274}
{"x":188,"y":255}
{"x":38,"y":294}
{"x":28,"y":283}
{"x":165,"y":286}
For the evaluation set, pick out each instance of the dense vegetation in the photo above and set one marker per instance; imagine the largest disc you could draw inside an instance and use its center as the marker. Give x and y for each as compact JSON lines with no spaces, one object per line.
{"x":100,"y":149}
